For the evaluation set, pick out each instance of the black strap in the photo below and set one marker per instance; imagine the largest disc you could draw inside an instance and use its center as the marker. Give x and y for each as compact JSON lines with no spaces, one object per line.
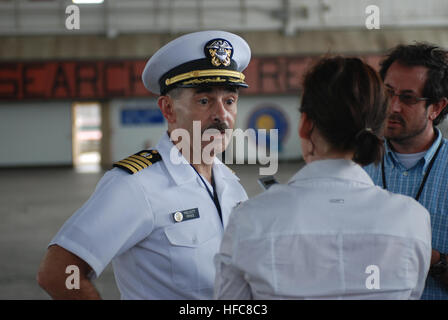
{"x":422,"y":184}
{"x":214,"y":195}
{"x":383,"y":175}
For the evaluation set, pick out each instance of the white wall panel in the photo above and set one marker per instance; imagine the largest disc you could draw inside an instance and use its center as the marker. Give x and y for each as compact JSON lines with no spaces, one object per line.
{"x":127,"y":139}
{"x":35,"y":134}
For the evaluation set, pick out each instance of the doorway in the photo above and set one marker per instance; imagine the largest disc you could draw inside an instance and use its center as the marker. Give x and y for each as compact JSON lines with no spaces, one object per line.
{"x":86,"y":128}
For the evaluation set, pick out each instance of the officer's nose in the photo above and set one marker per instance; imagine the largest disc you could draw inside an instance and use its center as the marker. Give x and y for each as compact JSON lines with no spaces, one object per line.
{"x":219,"y":112}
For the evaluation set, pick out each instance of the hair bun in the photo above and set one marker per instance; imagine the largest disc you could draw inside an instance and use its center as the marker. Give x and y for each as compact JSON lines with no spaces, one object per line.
{"x":363,"y":132}
{"x":368,"y":147}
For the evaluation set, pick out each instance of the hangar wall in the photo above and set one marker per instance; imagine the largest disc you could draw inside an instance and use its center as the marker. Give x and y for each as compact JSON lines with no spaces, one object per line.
{"x":129,"y":138}
{"x":35,"y":133}
{"x":261,"y":43}
{"x":42,"y":129}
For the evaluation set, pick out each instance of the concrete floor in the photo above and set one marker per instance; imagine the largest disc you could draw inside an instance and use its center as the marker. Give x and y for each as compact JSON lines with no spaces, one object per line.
{"x":34,"y":203}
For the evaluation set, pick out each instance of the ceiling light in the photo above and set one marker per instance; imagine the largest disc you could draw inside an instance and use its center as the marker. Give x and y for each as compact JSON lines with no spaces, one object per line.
{"x":87,"y":1}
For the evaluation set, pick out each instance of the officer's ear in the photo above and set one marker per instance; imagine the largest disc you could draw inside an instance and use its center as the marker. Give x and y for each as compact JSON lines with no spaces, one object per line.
{"x":165,"y":104}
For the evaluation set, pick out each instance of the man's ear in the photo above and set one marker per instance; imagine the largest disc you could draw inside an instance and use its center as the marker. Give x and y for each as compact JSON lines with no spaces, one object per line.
{"x":305,"y":126}
{"x":437,"y":108}
{"x":165,"y":104}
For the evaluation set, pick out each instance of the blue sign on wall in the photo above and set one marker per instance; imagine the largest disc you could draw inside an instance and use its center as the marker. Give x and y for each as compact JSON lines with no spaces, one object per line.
{"x":135,"y":116}
{"x":269,"y":117}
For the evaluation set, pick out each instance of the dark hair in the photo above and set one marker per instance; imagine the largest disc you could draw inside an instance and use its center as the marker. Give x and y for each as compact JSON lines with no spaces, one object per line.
{"x":431,"y":57}
{"x":174,"y":93}
{"x":346,"y":100}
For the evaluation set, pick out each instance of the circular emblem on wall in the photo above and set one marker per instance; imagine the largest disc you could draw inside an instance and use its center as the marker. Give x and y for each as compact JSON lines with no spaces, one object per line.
{"x":269,"y":117}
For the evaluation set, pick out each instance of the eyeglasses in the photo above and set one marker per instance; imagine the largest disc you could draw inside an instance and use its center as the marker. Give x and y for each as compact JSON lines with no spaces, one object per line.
{"x":406,"y":98}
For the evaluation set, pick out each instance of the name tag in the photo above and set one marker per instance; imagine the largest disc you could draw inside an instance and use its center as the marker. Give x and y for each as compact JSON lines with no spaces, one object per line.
{"x":184,"y":215}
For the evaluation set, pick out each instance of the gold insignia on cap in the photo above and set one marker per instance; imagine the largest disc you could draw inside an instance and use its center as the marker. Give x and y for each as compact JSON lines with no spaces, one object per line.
{"x":220,"y":51}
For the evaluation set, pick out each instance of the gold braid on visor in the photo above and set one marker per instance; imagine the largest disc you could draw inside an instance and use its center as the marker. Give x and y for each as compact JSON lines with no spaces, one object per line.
{"x":205,"y":73}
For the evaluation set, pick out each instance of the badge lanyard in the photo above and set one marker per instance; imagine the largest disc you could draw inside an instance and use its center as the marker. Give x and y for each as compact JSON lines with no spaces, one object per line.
{"x":214,"y":195}
{"x":422,"y":184}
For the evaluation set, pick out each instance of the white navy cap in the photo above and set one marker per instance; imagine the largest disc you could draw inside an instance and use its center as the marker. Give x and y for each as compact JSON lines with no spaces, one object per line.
{"x":196,"y":59}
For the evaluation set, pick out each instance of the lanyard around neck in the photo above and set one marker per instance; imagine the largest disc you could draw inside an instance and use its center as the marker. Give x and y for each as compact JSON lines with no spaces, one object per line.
{"x":422,"y":184}
{"x":214,"y":195}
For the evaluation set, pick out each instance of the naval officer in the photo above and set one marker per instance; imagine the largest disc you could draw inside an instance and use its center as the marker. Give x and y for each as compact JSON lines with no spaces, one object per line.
{"x":159,"y":214}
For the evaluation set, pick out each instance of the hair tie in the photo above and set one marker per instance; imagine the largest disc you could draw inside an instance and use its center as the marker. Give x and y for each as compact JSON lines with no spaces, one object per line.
{"x":362,"y":131}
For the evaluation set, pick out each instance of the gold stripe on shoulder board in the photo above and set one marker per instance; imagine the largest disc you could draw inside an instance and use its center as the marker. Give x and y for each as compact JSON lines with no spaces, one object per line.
{"x":137,"y":157}
{"x":138,"y":161}
{"x":125,"y":166}
{"x":132,"y":163}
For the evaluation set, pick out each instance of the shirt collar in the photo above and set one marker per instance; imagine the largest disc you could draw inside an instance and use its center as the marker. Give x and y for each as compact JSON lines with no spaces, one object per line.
{"x":180,"y":169}
{"x":432,"y":150}
{"x":390,"y":154}
{"x":220,"y":170}
{"x":333,"y":168}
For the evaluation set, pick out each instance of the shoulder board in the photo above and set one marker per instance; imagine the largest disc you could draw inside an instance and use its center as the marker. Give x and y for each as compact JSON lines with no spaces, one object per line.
{"x":139,"y":161}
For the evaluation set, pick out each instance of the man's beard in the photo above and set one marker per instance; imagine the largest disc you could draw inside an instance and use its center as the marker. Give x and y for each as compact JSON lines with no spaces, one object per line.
{"x":405,"y":133}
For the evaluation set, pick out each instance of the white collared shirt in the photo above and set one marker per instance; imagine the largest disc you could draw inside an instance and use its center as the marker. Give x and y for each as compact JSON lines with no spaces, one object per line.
{"x":328,"y":234}
{"x":129,"y":220}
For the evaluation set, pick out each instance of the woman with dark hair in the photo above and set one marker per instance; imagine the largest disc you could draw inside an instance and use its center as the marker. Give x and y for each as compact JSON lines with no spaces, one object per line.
{"x":329,"y":233}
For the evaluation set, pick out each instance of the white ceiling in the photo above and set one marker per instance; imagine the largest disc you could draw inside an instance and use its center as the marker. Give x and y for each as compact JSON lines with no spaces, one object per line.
{"x":113,"y":17}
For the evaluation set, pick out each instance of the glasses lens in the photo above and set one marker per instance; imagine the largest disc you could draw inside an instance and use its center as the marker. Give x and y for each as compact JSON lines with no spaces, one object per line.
{"x":390,"y":93}
{"x":408,"y":99}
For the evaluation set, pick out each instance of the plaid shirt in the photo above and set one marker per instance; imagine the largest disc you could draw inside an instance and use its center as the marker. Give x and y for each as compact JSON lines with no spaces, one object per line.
{"x":434,"y":196}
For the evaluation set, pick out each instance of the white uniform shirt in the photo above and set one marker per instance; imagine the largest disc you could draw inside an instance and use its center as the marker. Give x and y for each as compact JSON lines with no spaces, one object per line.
{"x":317,"y":236}
{"x":129,"y":220}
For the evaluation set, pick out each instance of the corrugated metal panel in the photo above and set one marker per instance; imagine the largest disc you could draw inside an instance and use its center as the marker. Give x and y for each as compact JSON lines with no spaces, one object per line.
{"x":172,"y":16}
